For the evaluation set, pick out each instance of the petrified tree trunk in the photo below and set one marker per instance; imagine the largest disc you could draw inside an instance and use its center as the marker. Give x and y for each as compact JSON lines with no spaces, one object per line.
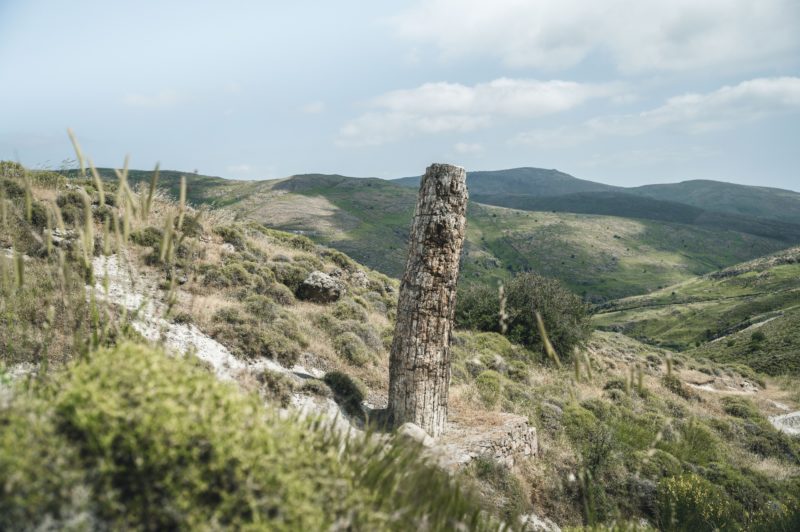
{"x":419,"y":372}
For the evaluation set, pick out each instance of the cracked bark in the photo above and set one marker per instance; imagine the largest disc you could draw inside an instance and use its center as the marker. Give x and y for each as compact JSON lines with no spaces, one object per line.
{"x":419,"y":369}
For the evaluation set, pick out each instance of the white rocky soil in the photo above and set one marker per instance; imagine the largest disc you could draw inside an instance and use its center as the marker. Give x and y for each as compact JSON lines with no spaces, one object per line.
{"x":119,"y":283}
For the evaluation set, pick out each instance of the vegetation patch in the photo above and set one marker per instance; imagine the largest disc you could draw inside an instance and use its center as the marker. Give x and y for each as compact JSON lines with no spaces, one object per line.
{"x":133,"y":438}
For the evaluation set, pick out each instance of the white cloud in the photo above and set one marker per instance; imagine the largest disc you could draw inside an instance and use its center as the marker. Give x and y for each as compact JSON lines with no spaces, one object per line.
{"x":467,"y":147}
{"x":690,"y":113}
{"x":313,"y":108}
{"x":453,"y":107}
{"x":639,"y":35}
{"x":164,"y":98}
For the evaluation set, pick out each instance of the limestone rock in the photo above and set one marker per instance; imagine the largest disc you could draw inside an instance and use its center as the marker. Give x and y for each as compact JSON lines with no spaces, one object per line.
{"x":320,"y":288}
{"x":415,"y":432}
{"x":534,"y":523}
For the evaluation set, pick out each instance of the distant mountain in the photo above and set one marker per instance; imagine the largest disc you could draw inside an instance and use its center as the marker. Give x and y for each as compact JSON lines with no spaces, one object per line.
{"x":504,"y":188}
{"x":529,"y":181}
{"x":762,"y":202}
{"x":631,"y":206}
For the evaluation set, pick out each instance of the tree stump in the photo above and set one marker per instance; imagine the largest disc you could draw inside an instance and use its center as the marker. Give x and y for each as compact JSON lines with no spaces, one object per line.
{"x":419,"y":370}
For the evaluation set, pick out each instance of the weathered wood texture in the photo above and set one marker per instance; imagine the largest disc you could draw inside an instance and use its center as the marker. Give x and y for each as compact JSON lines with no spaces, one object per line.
{"x":419,"y":372}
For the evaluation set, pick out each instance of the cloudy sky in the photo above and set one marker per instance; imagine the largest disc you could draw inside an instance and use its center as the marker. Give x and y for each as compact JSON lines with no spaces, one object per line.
{"x":621,"y":91}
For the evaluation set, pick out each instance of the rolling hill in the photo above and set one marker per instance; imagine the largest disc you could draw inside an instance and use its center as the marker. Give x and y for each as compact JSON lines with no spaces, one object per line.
{"x":747,"y":313}
{"x":600,"y":257}
{"x":603,"y":243}
{"x":763,"y":202}
{"x":534,"y":188}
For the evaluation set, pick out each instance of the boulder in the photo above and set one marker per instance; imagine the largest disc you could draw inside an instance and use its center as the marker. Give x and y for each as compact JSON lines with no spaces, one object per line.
{"x":416,"y":433}
{"x":320,"y":288}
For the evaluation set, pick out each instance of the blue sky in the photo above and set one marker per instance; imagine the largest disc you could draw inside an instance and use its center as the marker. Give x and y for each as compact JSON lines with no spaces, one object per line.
{"x":625,"y":92}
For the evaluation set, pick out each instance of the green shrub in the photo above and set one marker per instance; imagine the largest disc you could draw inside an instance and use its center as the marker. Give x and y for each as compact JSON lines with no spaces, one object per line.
{"x":232,"y":235}
{"x":280,"y":293}
{"x":692,"y":442}
{"x":249,"y":338}
{"x":339,"y":259}
{"x":134,"y":439}
{"x":490,"y":387}
{"x":740,"y":407}
{"x":592,"y":439}
{"x":518,"y":371}
{"x":348,"y":391}
{"x":72,"y":206}
{"x":504,"y":489}
{"x":350,"y":347}
{"x":565,"y":316}
{"x":47,"y":179}
{"x":674,"y":384}
{"x":191,"y":226}
{"x":478,"y":308}
{"x":689,"y":502}
{"x":12,"y":169}
{"x":148,"y":237}
{"x":277,"y":387}
{"x":349,"y":310}
{"x":292,"y":275}
{"x":657,"y":464}
{"x":262,"y":307}
{"x":315,"y":387}
{"x":11,"y":188}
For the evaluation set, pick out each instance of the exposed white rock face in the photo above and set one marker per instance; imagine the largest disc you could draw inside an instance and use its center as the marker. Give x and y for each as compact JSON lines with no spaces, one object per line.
{"x":320,"y":287}
{"x":415,"y":432}
{"x":787,"y":423}
{"x":140,"y":297}
{"x":534,"y":523}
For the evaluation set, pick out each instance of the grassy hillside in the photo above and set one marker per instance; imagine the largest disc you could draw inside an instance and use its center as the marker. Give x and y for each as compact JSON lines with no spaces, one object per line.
{"x":599,"y":256}
{"x":627,"y":205}
{"x":723,"y":315}
{"x":108,"y":432}
{"x":637,"y":245}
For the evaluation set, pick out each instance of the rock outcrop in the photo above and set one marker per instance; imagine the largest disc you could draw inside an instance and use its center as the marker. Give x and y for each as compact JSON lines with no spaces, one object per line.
{"x":320,"y":287}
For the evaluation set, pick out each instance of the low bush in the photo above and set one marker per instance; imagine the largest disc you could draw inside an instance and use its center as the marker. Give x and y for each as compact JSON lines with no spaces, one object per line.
{"x":232,"y":235}
{"x":348,"y":391}
{"x":350,"y":347}
{"x":349,"y":310}
{"x":280,"y":339}
{"x":490,"y":387}
{"x":280,"y":293}
{"x":676,"y":386}
{"x":73,"y":207}
{"x":502,"y":490}
{"x":690,"y":502}
{"x":277,"y":387}
{"x":134,"y":439}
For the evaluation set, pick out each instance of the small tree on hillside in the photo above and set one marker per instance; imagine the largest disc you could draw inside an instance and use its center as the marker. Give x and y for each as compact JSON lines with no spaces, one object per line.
{"x":565,"y":315}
